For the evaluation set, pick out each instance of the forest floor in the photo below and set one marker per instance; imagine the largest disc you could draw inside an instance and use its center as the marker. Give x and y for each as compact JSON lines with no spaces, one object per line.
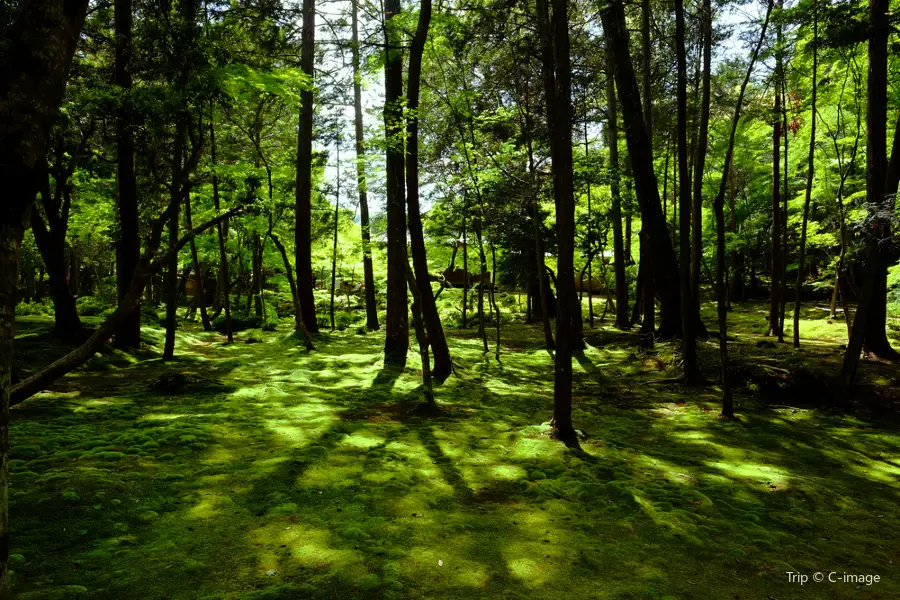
{"x":260,"y":471}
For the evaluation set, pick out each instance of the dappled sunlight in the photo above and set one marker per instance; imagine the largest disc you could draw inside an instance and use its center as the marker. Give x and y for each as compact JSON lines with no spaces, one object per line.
{"x":310,"y":475}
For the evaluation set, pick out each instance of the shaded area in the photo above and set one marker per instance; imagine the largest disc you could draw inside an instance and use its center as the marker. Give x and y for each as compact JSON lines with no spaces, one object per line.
{"x":311,"y":475}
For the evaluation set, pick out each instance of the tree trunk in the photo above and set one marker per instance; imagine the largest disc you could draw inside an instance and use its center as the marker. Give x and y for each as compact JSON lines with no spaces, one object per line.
{"x":289,"y":271}
{"x":665,"y":267}
{"x":719,"y":210}
{"x":175,"y":198}
{"x":801,"y":261}
{"x":421,"y":336}
{"x":612,"y":131}
{"x":303,"y":198}
{"x":465,"y":296}
{"x":701,"y":150}
{"x":396,"y":341}
{"x":51,"y":245}
{"x":334,"y":245}
{"x":869,"y":322}
{"x":39,"y":43}
{"x":220,"y":233}
{"x":368,"y":273}
{"x":544,"y":305}
{"x":171,"y":290}
{"x":148,"y":266}
{"x":199,"y":291}
{"x":557,"y":83}
{"x":128,"y":246}
{"x":775,"y":296}
{"x":689,"y":342}
{"x":443,"y":365}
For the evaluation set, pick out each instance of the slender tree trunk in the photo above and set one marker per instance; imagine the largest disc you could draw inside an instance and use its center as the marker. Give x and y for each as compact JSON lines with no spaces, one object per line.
{"x":536,"y":224}
{"x":587,"y":151}
{"x":465,"y":297}
{"x":368,"y":273}
{"x":782,"y":307}
{"x":736,"y":278}
{"x":220,"y":233}
{"x":775,"y":297}
{"x":557,"y":83}
{"x":128,"y":246}
{"x":51,"y":245}
{"x":689,"y":342}
{"x":482,"y":331}
{"x":876,"y":180}
{"x":443,"y":365}
{"x":719,"y":210}
{"x":619,"y":259}
{"x":303,"y":223}
{"x":289,"y":271}
{"x":334,"y":245}
{"x":493,"y":299}
{"x":199,"y":290}
{"x":175,"y":199}
{"x":421,"y":336}
{"x":701,"y":150}
{"x":801,"y":261}
{"x":664,"y":264}
{"x":396,"y":341}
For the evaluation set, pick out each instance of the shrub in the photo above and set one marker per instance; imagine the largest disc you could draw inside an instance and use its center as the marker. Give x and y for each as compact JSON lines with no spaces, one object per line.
{"x":91,"y":306}
{"x":239,"y":322}
{"x":37,"y":308}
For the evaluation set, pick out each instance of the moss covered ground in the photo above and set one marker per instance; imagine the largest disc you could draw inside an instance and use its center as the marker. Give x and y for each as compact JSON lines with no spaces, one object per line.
{"x":260,"y":471}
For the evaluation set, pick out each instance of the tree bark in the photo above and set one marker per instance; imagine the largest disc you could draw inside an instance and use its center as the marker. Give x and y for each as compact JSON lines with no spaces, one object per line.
{"x":869,"y":306}
{"x":334,"y":244}
{"x":689,"y":342}
{"x":701,"y":151}
{"x":396,"y":341}
{"x":51,"y":243}
{"x":801,"y":260}
{"x":368,"y":273}
{"x":421,"y":336}
{"x":199,"y":290}
{"x":719,"y":210}
{"x":220,"y":233}
{"x":528,"y":128}
{"x":612,"y":131}
{"x":303,"y":198}
{"x":443,"y":365}
{"x":556,"y":61}
{"x":665,"y":267}
{"x":289,"y":272}
{"x":128,"y":246}
{"x":775,"y":293}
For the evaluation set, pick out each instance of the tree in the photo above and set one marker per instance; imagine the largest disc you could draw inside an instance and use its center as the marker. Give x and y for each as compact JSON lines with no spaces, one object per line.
{"x":612,"y":130}
{"x":432,"y":321}
{"x":303,"y":205}
{"x":689,"y":341}
{"x":34,"y":65}
{"x":128,"y":244}
{"x":554,"y":41}
{"x":868,"y":324}
{"x":777,"y":257}
{"x":801,"y":260}
{"x":719,"y":210}
{"x":361,"y":185}
{"x":396,"y":342}
{"x":665,"y":267}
